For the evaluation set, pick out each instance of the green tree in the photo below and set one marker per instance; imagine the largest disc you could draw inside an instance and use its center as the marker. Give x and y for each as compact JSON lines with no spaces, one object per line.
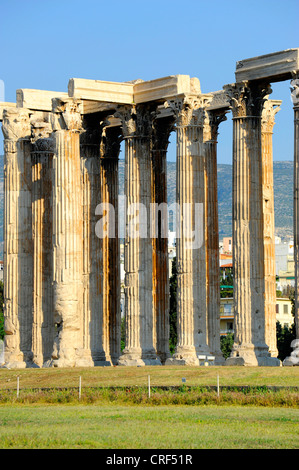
{"x":226,"y":344}
{"x":2,"y":333}
{"x":284,"y":336}
{"x":122,"y":334}
{"x":173,"y":307}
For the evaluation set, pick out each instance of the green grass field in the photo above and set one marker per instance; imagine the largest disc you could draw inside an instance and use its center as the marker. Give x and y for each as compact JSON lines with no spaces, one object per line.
{"x":134,"y":427}
{"x":128,"y":419}
{"x":159,"y":376}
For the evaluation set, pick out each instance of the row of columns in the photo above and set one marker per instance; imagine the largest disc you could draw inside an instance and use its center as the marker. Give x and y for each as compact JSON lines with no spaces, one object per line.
{"x":58,"y":168}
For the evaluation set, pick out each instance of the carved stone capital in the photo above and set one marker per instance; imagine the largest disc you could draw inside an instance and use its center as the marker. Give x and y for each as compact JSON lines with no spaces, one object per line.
{"x":111,"y":140}
{"x":128,"y":116}
{"x":211,"y":123}
{"x":189,"y":110}
{"x":67,"y":114}
{"x":270,"y":109}
{"x":137,"y":120}
{"x":247,"y":99}
{"x":295,"y":91}
{"x":16,"y":124}
{"x":161,"y":132}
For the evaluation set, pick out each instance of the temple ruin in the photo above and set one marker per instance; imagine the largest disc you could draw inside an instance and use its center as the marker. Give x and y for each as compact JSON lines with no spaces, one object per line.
{"x":62,"y":280}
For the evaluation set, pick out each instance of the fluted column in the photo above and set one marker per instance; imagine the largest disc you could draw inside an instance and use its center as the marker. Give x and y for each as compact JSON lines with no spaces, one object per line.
{"x":136,"y":125}
{"x":161,"y":132}
{"x":17,"y":239}
{"x":212,"y":122}
{"x":270,"y":108}
{"x":111,"y":248}
{"x":293,"y":359}
{"x":67,"y":236}
{"x":93,"y":283}
{"x":42,"y":308}
{"x":192,"y":327}
{"x":250,"y":346}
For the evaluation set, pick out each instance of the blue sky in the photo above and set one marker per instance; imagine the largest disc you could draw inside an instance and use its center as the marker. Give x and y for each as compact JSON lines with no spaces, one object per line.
{"x":44,"y":43}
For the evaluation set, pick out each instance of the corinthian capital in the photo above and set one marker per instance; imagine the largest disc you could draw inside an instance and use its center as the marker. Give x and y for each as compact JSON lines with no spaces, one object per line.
{"x":212,"y":121}
{"x":16,"y":124}
{"x":270,"y":109}
{"x":189,"y":110}
{"x":128,"y":116}
{"x":67,"y":114}
{"x":247,"y":99}
{"x":137,"y":120}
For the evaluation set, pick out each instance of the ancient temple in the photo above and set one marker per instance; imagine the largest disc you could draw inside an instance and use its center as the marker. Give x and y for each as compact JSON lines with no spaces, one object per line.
{"x":61,"y":230}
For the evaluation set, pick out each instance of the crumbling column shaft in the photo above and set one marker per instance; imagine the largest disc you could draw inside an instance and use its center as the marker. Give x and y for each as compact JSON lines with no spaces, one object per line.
{"x":249,"y":347}
{"x":192,"y":327}
{"x":212,"y":233}
{"x":92,"y":255}
{"x":296,"y":205}
{"x":162,"y":129}
{"x":111,"y":249}
{"x":17,"y":239}
{"x":268,"y":114}
{"x":293,"y":359}
{"x":67,"y":249}
{"x":43,"y":324}
{"x":139,"y":348}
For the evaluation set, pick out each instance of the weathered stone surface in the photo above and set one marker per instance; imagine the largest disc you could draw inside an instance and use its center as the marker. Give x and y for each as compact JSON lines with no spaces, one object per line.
{"x":294,"y":358}
{"x":5,"y":105}
{"x":62,"y":282}
{"x":134,"y":92}
{"x":17,"y":239}
{"x":139,"y":349}
{"x":272,"y":67}
{"x":270,"y":109}
{"x":250,"y":346}
{"x":39,"y":100}
{"x":191,"y":254}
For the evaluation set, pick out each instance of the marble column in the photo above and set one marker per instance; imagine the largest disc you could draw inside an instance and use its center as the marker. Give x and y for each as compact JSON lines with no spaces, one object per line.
{"x":161,"y":132}
{"x":18,"y":253}
{"x":67,"y":236}
{"x":42,"y":308}
{"x":270,"y":108}
{"x":293,"y":359}
{"x":136,"y":126}
{"x":212,"y":122}
{"x":111,"y":249}
{"x":250,"y":346}
{"x":93,"y":282}
{"x":192,"y":326}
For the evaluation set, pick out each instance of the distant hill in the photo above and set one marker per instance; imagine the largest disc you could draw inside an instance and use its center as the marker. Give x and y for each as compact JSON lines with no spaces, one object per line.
{"x":283,"y":196}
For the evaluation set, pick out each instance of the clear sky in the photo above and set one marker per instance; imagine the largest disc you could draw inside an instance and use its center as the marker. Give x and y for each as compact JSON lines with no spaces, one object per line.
{"x":46,"y":42}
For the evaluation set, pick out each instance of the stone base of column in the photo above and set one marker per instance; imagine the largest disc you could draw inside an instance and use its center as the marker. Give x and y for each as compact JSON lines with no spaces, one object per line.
{"x":17,"y":360}
{"x":248,"y":355}
{"x":17,"y":363}
{"x":219,"y":359}
{"x":163,"y":357}
{"x":293,"y":359}
{"x":184,"y":356}
{"x":39,"y":361}
{"x":14,"y":365}
{"x":137,"y":357}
